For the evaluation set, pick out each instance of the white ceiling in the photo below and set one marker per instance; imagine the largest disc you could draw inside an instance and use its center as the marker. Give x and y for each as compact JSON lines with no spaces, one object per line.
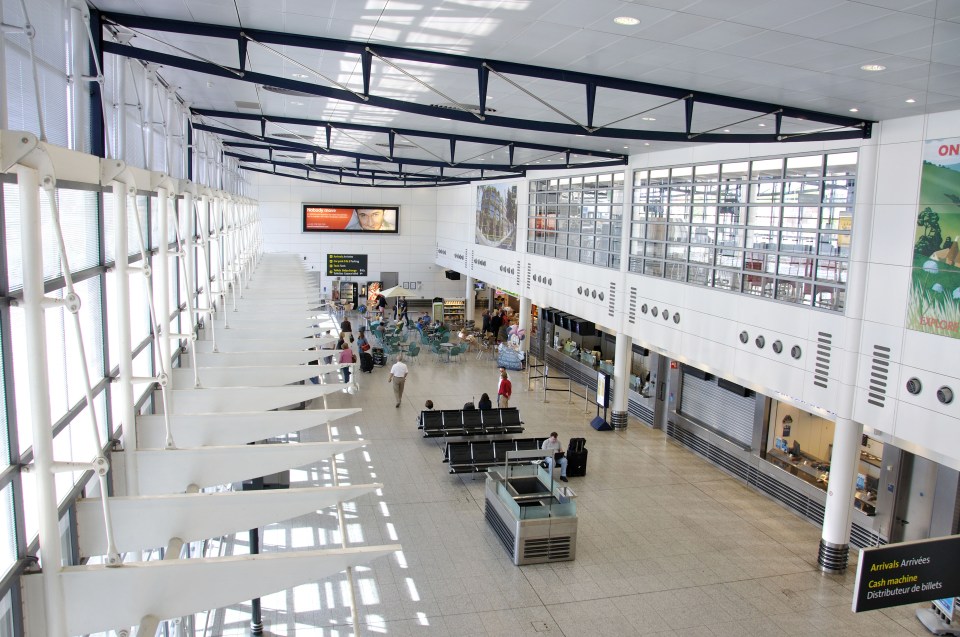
{"x":800,"y":53}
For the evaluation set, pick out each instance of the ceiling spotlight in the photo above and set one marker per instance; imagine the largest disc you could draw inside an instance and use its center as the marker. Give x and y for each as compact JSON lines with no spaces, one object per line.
{"x":627,"y":21}
{"x":873,"y":67}
{"x":626,"y":147}
{"x":854,"y":110}
{"x":726,"y":130}
{"x":649,"y":119}
{"x":646,"y":143}
{"x":911,"y":101}
{"x":761,"y":124}
{"x":300,"y":76}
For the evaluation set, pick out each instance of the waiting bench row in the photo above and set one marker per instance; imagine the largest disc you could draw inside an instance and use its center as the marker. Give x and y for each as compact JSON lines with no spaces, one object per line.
{"x":470,"y":422}
{"x":479,"y":455}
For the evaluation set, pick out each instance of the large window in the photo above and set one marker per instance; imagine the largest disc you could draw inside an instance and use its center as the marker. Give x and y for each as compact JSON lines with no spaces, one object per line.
{"x":577,"y":218}
{"x":775,"y":228}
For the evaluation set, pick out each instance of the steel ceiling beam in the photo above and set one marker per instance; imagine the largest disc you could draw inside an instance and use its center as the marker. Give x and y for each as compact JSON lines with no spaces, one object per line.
{"x":852,"y":128}
{"x":407,"y":132}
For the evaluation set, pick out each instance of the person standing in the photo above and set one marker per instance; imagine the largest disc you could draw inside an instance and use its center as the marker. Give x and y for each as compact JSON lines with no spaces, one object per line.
{"x":402,"y":309}
{"x":495,"y":322}
{"x":346,"y":359}
{"x":398,"y":376}
{"x":553,"y":444}
{"x":485,"y":326}
{"x":504,"y":390}
{"x":381,"y":306}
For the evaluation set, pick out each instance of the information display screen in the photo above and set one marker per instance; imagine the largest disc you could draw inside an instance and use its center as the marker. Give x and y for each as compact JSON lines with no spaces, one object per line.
{"x":603,"y":389}
{"x":339,"y":218}
{"x":346,"y":265}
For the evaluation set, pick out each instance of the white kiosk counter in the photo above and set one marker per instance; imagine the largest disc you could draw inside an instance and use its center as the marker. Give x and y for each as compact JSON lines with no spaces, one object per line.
{"x":535,"y":518}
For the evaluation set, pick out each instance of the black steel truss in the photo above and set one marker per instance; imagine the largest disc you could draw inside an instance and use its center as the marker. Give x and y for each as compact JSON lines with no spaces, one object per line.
{"x":836,"y":127}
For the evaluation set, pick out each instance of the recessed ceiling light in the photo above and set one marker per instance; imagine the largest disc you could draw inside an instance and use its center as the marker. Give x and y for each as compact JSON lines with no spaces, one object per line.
{"x":873,"y":67}
{"x":761,"y":124}
{"x":854,"y":110}
{"x":626,"y":147}
{"x":646,"y":143}
{"x":627,"y":21}
{"x":300,"y":76}
{"x":726,"y":130}
{"x":649,"y":119}
{"x":911,"y":101}
{"x":608,"y":150}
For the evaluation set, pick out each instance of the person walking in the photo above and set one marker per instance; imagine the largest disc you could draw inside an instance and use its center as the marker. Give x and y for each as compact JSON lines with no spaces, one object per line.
{"x":504,"y":390}
{"x":398,"y":376}
{"x":346,"y":358}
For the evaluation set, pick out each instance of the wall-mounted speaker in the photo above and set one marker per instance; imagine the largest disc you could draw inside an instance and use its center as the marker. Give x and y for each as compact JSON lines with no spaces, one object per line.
{"x":453,"y":275}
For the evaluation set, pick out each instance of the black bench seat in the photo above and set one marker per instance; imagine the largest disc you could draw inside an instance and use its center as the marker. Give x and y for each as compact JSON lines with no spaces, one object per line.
{"x":470,"y":422}
{"x":471,"y":456}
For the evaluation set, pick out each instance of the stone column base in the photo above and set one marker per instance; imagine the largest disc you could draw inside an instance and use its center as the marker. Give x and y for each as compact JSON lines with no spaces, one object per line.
{"x":833,"y":557}
{"x":618,"y":420}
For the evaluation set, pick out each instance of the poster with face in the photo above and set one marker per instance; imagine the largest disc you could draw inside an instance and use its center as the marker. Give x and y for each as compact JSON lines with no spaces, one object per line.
{"x":371,"y":219}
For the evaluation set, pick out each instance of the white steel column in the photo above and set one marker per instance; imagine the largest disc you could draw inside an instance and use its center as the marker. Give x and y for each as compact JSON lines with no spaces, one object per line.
{"x":469,"y":295}
{"x":124,"y":345}
{"x":77,"y":47}
{"x":149,"y":82}
{"x":162,"y":281}
{"x":51,"y":555}
{"x":845,"y":459}
{"x":621,"y":381}
{"x":120,"y":104}
{"x":525,"y":322}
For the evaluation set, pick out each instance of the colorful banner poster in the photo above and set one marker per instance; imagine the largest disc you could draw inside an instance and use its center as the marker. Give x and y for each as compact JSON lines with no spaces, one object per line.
{"x":934,"y":304}
{"x":319,"y":218}
{"x":497,"y":216}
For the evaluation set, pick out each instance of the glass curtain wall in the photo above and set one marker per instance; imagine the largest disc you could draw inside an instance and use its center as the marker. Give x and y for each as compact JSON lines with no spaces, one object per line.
{"x":775,"y":228}
{"x":47,"y":108}
{"x":577,"y":219}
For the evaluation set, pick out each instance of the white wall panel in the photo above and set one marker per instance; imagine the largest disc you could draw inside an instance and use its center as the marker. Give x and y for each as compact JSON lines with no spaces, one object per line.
{"x":891,"y":223}
{"x":887,"y":291}
{"x":898,"y":176}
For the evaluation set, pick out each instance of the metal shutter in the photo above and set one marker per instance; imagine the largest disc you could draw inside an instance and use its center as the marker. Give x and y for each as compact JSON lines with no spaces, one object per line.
{"x":723,"y":411}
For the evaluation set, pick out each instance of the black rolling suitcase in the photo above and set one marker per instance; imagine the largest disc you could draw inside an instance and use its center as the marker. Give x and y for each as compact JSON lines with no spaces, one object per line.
{"x":577,"y":458}
{"x":366,"y":362}
{"x":379,"y":357}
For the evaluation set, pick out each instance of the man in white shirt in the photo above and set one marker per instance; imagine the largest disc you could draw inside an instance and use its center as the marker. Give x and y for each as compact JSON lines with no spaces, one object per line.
{"x":398,"y":376}
{"x":553,"y":444}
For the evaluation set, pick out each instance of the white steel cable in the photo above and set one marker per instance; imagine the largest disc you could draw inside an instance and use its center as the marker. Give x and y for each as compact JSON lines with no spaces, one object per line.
{"x":154,"y":326}
{"x":30,"y":32}
{"x":100,"y":463}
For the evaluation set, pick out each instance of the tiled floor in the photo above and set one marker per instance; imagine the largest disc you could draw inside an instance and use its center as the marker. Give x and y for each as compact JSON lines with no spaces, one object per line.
{"x":667,"y":544}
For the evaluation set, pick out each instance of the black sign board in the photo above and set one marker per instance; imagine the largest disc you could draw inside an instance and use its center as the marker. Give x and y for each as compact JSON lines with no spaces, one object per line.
{"x":346,"y":265}
{"x":907,"y":573}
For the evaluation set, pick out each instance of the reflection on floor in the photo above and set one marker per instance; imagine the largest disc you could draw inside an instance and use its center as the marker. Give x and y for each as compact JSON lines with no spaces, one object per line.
{"x":667,"y":544}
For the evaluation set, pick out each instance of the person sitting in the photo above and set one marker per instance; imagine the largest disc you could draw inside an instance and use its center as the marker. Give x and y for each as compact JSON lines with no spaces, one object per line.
{"x":553,"y":444}
{"x":485,"y":402}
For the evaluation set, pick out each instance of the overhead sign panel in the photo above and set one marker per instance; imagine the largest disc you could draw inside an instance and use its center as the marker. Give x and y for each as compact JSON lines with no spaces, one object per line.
{"x":907,"y":573}
{"x":346,"y":265}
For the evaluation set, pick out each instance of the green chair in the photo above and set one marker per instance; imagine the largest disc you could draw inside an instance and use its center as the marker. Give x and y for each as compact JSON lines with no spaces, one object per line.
{"x":413,"y":351}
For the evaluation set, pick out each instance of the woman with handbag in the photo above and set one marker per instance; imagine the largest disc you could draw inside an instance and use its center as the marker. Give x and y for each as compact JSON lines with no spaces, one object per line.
{"x":362,"y":344}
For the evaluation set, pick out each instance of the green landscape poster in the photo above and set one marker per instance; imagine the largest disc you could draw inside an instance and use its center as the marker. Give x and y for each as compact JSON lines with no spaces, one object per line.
{"x":934,"y":304}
